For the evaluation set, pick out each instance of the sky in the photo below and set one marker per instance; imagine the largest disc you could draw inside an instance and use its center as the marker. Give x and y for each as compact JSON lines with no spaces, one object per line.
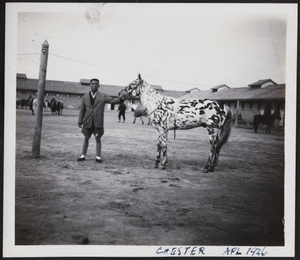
{"x":177,"y":46}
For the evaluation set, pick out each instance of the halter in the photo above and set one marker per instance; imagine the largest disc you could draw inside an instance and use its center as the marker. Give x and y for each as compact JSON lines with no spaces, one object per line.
{"x":129,"y":92}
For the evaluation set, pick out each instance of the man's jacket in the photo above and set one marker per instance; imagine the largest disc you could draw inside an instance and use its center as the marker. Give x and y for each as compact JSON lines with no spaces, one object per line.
{"x":89,"y":113}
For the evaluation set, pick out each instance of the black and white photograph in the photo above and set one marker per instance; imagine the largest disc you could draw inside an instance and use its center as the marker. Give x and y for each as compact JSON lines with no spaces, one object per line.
{"x":149,"y":130}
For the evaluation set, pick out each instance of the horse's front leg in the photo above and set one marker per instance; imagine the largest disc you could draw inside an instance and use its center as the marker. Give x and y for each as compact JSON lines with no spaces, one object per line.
{"x":158,"y":152}
{"x":164,"y":148}
{"x":161,"y":147}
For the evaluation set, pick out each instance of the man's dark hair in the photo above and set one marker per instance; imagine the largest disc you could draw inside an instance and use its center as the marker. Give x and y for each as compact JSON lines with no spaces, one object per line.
{"x":94,"y":80}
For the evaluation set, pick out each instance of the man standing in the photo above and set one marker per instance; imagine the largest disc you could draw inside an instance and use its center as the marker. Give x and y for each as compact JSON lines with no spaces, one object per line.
{"x":91,"y":117}
{"x":122,"y":110}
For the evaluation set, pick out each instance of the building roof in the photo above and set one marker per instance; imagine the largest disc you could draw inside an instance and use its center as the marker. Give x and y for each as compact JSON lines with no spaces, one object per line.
{"x":268,"y":93}
{"x":157,"y":88}
{"x":192,"y":90}
{"x":65,"y":87}
{"x":173,"y":93}
{"x":261,"y":82}
{"x":21,"y":76}
{"x":219,"y":86}
{"x":271,"y":92}
{"x":79,"y":88}
{"x":85,"y":81}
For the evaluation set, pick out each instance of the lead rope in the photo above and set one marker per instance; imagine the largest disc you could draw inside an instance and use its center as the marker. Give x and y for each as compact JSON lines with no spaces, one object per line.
{"x":175,"y":128}
{"x":175,"y":113}
{"x":158,"y":105}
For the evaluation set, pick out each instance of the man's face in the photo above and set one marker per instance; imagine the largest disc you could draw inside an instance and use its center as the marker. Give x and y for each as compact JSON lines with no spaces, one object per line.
{"x":94,"y":86}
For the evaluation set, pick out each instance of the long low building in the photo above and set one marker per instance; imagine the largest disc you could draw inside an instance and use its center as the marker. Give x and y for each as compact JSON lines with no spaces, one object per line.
{"x":261,"y":97}
{"x":70,"y":93}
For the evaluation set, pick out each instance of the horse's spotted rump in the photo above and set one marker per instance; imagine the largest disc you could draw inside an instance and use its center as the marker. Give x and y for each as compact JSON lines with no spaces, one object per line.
{"x":168,"y":113}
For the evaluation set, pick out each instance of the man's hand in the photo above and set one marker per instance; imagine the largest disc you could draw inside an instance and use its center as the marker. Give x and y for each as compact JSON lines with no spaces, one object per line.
{"x":80,"y":125}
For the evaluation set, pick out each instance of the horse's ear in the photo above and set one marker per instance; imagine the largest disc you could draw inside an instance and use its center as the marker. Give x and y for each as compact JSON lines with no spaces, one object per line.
{"x":140,"y":78}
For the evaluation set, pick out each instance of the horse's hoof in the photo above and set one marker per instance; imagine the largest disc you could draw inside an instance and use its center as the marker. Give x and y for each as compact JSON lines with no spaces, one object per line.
{"x":155,"y":166}
{"x":163,"y":168}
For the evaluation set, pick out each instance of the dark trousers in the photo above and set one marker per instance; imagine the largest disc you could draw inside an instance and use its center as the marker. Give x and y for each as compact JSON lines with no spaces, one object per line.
{"x":121,"y":114}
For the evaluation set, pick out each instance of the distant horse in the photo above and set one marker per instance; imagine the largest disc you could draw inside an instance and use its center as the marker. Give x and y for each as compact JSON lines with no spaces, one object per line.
{"x":34,"y":106}
{"x":21,"y":103}
{"x":267,"y":120}
{"x":168,"y":113}
{"x":29,"y":102}
{"x":47,"y":107}
{"x":56,"y":107}
{"x":140,"y":111}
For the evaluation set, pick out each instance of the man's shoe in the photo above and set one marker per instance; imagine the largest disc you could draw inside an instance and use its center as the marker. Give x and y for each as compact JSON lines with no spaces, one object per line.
{"x":98,"y":159}
{"x":81,"y":159}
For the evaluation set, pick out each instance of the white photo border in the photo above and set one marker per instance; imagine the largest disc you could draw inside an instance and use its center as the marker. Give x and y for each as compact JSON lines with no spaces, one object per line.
{"x":11,"y":250}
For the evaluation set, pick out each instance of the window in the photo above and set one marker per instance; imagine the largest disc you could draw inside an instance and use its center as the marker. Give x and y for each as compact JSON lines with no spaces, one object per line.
{"x":68,"y":95}
{"x":57,"y":94}
{"x":258,"y":105}
{"x":243,"y":105}
{"x":229,"y":104}
{"x":250,"y":104}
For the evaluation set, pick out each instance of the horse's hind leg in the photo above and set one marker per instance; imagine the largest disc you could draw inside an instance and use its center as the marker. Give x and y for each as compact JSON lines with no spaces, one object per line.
{"x":212,"y":159}
{"x":158,"y":152}
{"x":255,"y":127}
{"x":210,"y":164}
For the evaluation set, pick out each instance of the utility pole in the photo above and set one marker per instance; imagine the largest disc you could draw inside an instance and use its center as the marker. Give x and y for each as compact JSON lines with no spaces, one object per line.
{"x":41,"y":92}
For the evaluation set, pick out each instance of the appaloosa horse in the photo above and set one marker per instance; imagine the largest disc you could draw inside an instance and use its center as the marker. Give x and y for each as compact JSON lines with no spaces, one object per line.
{"x":267,"y":120}
{"x":168,"y":113}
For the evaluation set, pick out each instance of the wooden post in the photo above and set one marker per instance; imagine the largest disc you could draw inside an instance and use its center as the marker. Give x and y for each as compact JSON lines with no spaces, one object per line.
{"x":41,"y":92}
{"x":237,"y":112}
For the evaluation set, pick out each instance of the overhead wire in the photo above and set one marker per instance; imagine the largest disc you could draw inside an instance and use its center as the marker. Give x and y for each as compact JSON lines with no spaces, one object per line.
{"x":125,"y":72}
{"x":19,"y":54}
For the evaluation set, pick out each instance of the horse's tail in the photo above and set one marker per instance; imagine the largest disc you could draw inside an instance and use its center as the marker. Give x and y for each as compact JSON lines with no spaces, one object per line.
{"x":225,"y":129}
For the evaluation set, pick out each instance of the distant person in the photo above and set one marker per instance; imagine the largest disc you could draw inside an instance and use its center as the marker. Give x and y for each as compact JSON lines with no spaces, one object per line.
{"x":122,"y":110}
{"x":91,"y":117}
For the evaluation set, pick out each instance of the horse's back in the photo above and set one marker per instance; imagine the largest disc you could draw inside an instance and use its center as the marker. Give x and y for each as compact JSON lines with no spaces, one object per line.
{"x":197,"y":112}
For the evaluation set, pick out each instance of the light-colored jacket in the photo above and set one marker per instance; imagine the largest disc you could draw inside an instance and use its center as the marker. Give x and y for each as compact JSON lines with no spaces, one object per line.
{"x":94,"y":113}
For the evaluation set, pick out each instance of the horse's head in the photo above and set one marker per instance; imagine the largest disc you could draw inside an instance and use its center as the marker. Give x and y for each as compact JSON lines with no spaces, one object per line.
{"x":133,"y":89}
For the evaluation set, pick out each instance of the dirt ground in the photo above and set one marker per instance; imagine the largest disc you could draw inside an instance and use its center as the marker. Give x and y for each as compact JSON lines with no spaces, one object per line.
{"x":125,"y":201}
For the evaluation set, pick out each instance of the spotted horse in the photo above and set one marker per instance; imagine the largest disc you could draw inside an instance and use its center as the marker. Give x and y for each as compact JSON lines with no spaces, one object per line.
{"x":168,"y":113}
